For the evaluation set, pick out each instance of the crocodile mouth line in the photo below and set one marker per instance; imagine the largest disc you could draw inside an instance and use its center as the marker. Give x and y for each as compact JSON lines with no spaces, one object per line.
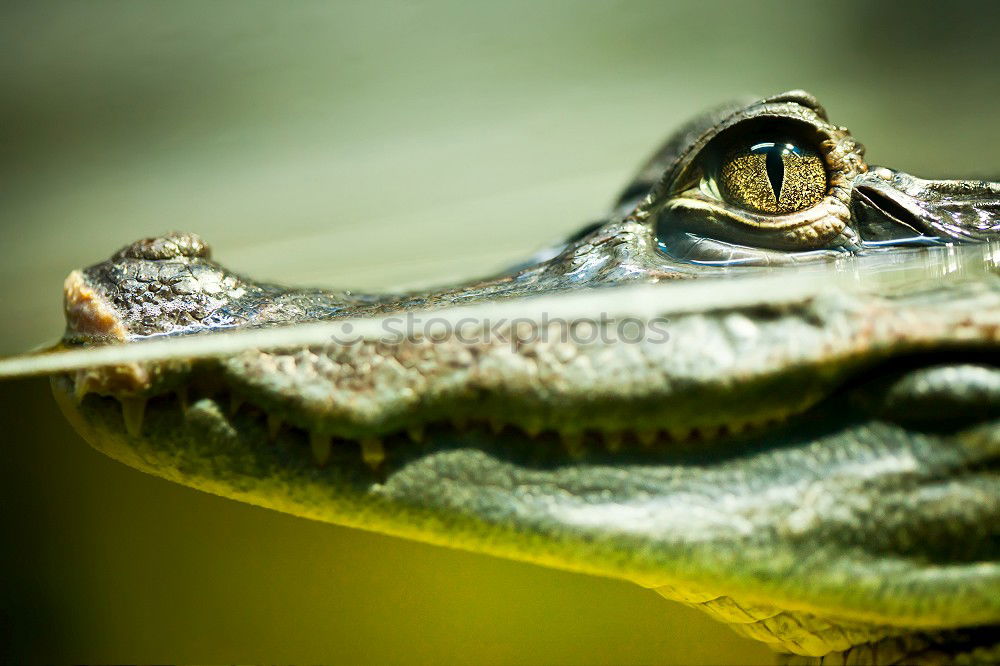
{"x":377,"y":453}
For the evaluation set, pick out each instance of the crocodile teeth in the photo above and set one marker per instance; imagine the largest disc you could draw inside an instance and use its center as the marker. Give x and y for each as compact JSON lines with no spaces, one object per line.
{"x":646,"y":437}
{"x":182,"y":398}
{"x":133,"y":410}
{"x":532,"y":429}
{"x":679,"y":433}
{"x":573,"y":441}
{"x":736,"y":427}
{"x":709,"y":432}
{"x":322,"y":447}
{"x":235,"y":402}
{"x":496,"y":425}
{"x":274,"y":423}
{"x":416,"y":433}
{"x":613,"y":441}
{"x":81,"y":386}
{"x":372,"y":452}
{"x":776,"y":419}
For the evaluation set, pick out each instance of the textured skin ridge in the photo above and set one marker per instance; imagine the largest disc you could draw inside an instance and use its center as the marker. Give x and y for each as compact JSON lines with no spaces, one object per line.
{"x":786,"y":631}
{"x":556,"y":384}
{"x":937,"y":649}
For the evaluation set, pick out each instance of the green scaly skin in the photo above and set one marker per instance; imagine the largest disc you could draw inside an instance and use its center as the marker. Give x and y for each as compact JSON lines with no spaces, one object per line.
{"x":802,"y":440}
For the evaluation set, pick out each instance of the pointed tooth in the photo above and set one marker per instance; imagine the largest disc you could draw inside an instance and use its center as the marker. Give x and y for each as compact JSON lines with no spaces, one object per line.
{"x":573,"y":441}
{"x":496,"y":425}
{"x":679,"y":433}
{"x":372,"y":452}
{"x":235,"y":402}
{"x":81,"y":385}
{"x":183,"y":398}
{"x":708,"y":432}
{"x":133,"y":410}
{"x":274,"y":423}
{"x":736,"y":427}
{"x":322,"y":447}
{"x":778,"y":418}
{"x":416,"y":432}
{"x":613,"y":441}
{"x":646,"y":437}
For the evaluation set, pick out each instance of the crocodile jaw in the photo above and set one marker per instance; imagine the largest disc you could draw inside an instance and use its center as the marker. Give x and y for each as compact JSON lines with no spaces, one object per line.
{"x":741,"y":516}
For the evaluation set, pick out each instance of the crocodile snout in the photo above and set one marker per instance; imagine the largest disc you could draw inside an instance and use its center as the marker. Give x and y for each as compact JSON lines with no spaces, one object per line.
{"x":154,"y":286}
{"x":894,"y":208}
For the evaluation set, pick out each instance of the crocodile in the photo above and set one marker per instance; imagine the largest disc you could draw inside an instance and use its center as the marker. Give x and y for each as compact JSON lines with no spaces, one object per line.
{"x":766,"y":385}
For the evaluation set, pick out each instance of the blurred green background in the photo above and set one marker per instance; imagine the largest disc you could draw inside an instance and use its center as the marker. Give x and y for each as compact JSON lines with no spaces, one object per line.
{"x":375,"y":145}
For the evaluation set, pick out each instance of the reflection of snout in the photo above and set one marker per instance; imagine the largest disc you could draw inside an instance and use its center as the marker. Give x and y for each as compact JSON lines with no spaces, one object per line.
{"x":894,"y":208}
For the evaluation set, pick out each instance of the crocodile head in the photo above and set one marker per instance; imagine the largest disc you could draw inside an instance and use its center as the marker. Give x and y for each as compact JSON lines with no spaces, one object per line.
{"x":802,"y":440}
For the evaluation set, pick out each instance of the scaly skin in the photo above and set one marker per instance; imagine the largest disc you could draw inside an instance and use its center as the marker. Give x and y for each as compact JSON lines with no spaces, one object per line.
{"x":809,"y":454}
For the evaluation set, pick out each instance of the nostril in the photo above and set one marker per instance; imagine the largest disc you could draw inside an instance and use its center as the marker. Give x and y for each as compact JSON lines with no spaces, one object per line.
{"x":885,"y":204}
{"x":880,"y":219}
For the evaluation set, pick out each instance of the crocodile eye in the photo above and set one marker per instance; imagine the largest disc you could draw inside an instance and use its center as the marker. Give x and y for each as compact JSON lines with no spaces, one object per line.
{"x":772,"y":177}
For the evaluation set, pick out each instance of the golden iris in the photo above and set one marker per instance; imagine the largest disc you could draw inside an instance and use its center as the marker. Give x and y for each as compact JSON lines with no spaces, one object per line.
{"x":773,"y":177}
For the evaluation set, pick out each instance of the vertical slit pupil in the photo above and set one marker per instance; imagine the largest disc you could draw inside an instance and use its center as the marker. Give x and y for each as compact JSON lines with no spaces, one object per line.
{"x":775,"y":165}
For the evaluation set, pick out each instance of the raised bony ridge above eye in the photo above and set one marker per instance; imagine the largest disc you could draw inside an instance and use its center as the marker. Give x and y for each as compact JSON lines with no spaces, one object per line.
{"x":772,"y":177}
{"x":769,"y":183}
